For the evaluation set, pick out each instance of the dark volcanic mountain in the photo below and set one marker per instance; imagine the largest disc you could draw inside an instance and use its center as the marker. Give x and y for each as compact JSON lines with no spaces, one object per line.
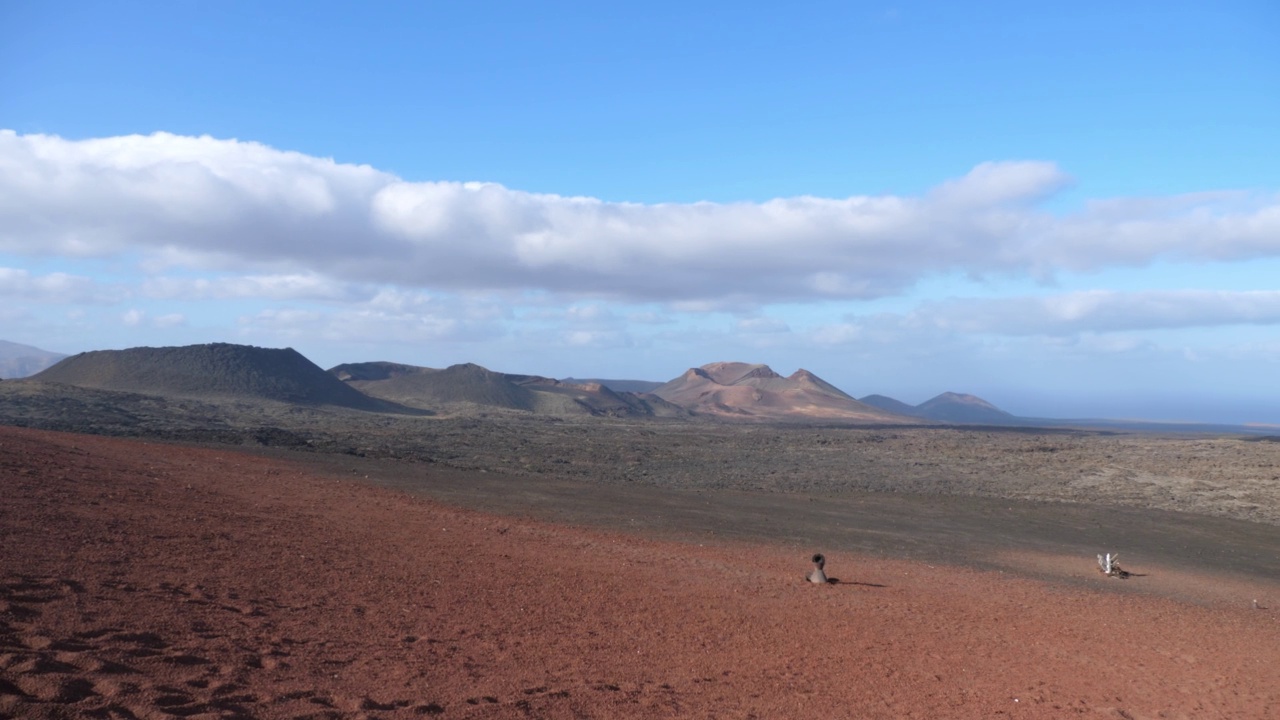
{"x":218,"y":370}
{"x":18,"y":361}
{"x":961,"y":408}
{"x":756,"y":392}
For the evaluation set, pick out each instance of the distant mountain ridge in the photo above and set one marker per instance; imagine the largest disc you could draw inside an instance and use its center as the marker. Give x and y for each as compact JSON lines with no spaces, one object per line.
{"x":468,"y":384}
{"x":947,"y":407}
{"x":19,"y":361}
{"x":725,"y":390}
{"x":209,"y":371}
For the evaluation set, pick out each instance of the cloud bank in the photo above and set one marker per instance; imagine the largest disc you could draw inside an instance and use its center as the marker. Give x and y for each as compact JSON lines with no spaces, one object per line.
{"x":206,"y":204}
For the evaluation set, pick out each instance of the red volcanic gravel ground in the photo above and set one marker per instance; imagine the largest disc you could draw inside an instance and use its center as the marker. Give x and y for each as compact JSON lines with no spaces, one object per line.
{"x":148,"y":580}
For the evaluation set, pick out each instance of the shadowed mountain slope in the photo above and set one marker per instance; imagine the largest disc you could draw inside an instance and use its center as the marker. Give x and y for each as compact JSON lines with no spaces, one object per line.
{"x":756,"y":392}
{"x":429,"y":388}
{"x":470,"y":384}
{"x":216,"y":370}
{"x":18,"y":361}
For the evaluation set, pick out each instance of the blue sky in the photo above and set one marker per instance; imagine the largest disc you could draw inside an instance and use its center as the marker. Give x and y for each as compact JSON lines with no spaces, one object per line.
{"x":1071,"y":211}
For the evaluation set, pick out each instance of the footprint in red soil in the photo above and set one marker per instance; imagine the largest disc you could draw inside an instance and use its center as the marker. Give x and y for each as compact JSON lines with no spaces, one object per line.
{"x":52,"y":689}
{"x":187,"y":706}
{"x":371,"y":704}
{"x":30,"y":590}
{"x":21,"y":613}
{"x":204,"y":630}
{"x":8,"y":688}
{"x":240,"y":698}
{"x":35,"y":641}
{"x":321,"y":701}
{"x":223,"y":688}
{"x":114,"y":711}
{"x":172,"y":699}
{"x":189,"y":593}
{"x":97,"y":633}
{"x":272,"y":661}
{"x":98,"y":666}
{"x":142,"y":639}
{"x":140,"y":645}
{"x":546,"y":691}
{"x":70,"y":646}
{"x":244,"y":609}
{"x":41,"y":665}
{"x":113,"y":688}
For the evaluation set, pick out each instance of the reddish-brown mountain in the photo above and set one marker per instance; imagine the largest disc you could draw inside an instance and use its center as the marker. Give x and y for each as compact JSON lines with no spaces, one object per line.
{"x":756,"y":392}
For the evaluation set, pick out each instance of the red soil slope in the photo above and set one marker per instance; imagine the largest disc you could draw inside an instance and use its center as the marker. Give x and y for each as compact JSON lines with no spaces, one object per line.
{"x":142,"y":580}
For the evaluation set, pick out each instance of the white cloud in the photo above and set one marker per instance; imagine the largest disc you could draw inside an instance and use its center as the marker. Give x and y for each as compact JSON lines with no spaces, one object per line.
{"x":1092,"y":345}
{"x":133,"y":317}
{"x":17,"y":285}
{"x":1101,"y":311}
{"x":302,"y":226}
{"x":996,"y":184}
{"x":272,"y":287}
{"x":390,"y":317}
{"x":596,"y":338}
{"x":590,"y":314}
